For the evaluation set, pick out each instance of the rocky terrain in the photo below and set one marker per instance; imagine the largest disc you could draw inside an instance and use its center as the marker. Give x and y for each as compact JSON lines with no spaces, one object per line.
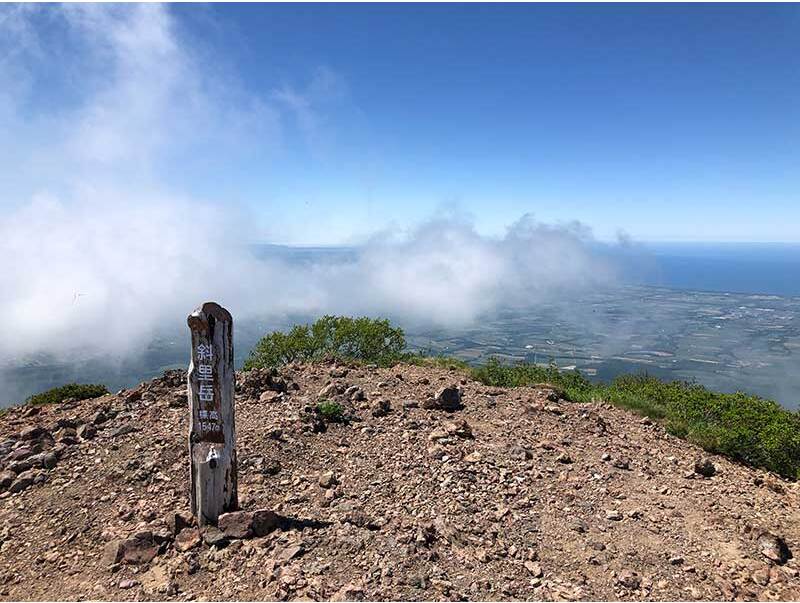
{"x":433,"y":488}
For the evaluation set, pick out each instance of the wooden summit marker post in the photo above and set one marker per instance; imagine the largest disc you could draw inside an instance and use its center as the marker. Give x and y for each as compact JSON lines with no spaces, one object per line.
{"x":212,"y":433}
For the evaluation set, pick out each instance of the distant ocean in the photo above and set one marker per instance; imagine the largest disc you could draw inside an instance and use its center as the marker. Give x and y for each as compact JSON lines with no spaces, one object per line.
{"x":755,"y":268}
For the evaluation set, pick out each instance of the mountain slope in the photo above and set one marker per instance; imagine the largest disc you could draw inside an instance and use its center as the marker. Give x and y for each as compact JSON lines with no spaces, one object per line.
{"x":518,"y":494}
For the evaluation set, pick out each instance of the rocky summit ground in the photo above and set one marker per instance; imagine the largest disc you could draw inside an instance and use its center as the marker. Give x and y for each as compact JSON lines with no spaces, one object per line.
{"x":479,"y":493}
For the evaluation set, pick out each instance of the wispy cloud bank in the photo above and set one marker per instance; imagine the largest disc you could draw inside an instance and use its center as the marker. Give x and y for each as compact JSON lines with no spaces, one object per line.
{"x":100,"y":252}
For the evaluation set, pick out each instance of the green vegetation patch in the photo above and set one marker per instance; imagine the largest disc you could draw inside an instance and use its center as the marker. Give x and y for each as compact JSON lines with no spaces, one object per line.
{"x":340,"y":337}
{"x":78,"y":391}
{"x":332,"y":412}
{"x":746,"y":428}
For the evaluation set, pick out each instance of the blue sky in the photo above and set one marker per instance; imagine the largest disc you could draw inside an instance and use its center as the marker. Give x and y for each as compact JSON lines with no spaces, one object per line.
{"x":666,"y":122}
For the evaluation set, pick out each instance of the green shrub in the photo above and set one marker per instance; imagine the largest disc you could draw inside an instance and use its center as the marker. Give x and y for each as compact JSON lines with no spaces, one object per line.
{"x":744,"y":427}
{"x":71,"y":390}
{"x":445,"y":362}
{"x":340,"y":337}
{"x":573,"y":383}
{"x":332,"y":412}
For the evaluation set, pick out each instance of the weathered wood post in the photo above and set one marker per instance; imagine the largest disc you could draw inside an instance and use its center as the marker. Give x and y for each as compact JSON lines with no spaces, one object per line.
{"x":212,"y":432}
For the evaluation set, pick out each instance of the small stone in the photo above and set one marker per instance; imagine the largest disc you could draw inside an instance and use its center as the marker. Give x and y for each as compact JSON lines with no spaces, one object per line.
{"x":705,"y":467}
{"x":87,"y":431}
{"x":24,"y":480}
{"x":237,"y":524}
{"x":448,"y":398}
{"x":187,"y":539}
{"x":181,"y":520}
{"x":123,"y":430}
{"x":760,"y":576}
{"x":381,"y":408}
{"x":774,"y":548}
{"x":264,"y":522}
{"x":290,"y":552}
{"x":629,"y":579}
{"x":270,"y":396}
{"x":112,"y":553}
{"x":33,"y":433}
{"x":21,"y":466}
{"x":126,"y":584}
{"x":6,"y":479}
{"x":677,"y":560}
{"x":564,"y":458}
{"x":473,"y":457}
{"x":327,"y":479}
{"x":614,"y":515}
{"x":156,"y":580}
{"x":534,"y":568}
{"x":141,"y":548}
{"x":20,"y":454}
{"x":99,"y":418}
{"x":461,"y":429}
{"x":621,"y":463}
{"x":349,"y":592}
{"x":214,"y":537}
{"x":519,"y":453}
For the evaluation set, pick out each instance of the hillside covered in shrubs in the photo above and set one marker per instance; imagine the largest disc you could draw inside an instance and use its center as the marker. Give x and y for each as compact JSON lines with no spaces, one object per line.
{"x":745,"y":427}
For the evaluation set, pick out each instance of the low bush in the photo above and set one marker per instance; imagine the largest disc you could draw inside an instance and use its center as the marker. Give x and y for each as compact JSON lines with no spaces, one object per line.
{"x":72,"y":390}
{"x":332,"y":412}
{"x":341,"y":337}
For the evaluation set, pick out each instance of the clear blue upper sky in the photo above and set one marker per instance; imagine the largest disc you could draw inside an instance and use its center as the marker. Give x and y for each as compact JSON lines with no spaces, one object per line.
{"x":668,"y":122}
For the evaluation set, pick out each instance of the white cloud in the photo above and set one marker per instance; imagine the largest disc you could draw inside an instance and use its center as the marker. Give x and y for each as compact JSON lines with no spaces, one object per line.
{"x":101,"y":253}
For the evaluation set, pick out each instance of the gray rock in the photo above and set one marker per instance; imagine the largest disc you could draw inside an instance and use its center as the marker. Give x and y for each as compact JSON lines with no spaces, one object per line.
{"x":519,"y":453}
{"x":629,"y":579}
{"x":34,"y":433}
{"x":327,"y":479}
{"x":355,"y":393}
{"x":87,"y":431}
{"x":264,"y":522}
{"x":705,"y":467}
{"x":774,"y":548}
{"x":23,"y":481}
{"x":447,"y":398}
{"x":48,"y":460}
{"x":63,"y":422}
{"x":381,"y":408}
{"x":621,"y":463}
{"x":214,"y":537}
{"x":6,"y":479}
{"x":124,"y":430}
{"x":331,"y":390}
{"x":21,"y":466}
{"x":68,"y":436}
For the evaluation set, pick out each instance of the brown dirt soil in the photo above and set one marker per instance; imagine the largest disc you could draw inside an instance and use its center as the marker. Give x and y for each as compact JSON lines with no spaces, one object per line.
{"x":544,"y":499}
